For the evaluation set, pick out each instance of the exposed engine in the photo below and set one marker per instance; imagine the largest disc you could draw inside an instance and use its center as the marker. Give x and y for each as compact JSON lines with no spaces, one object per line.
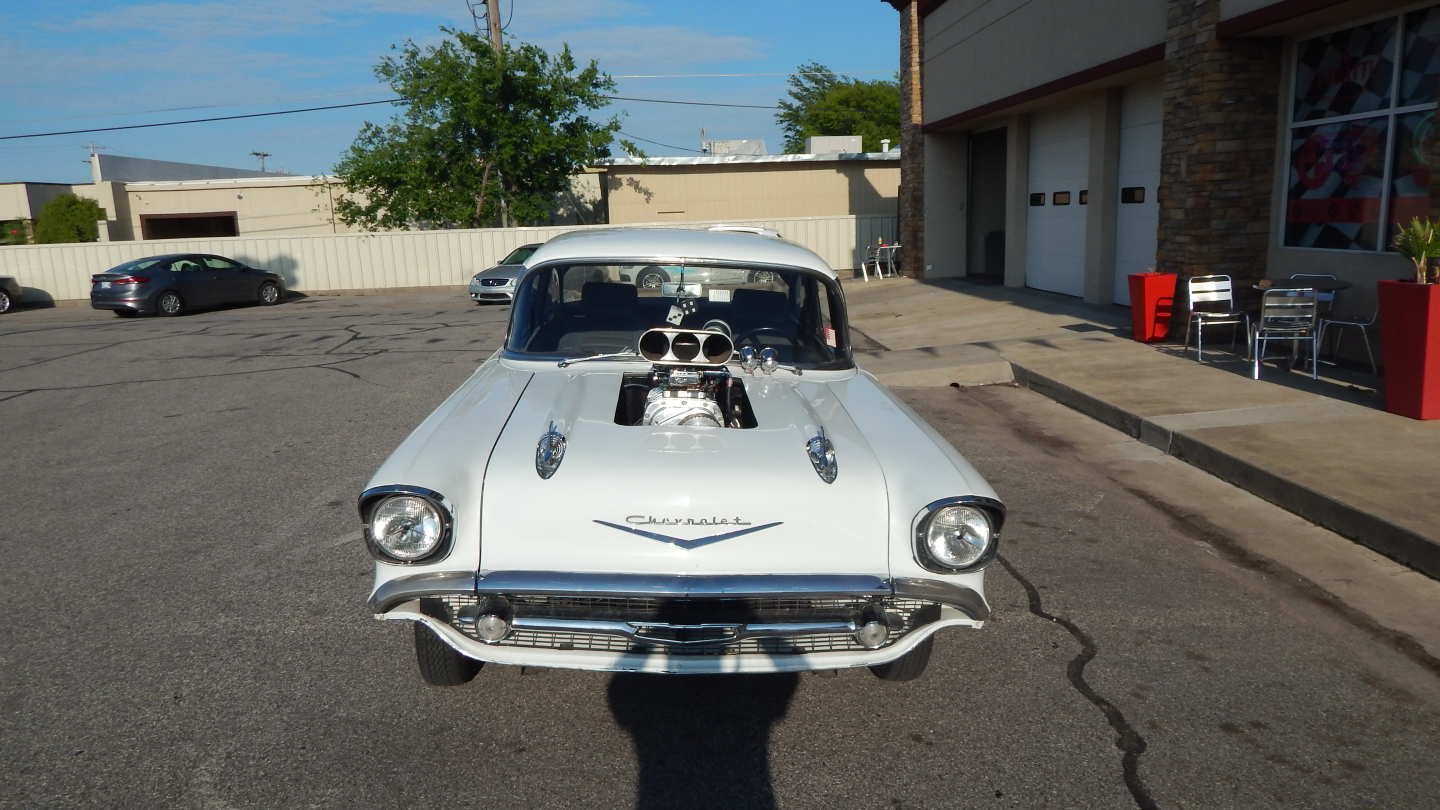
{"x":689,"y":385}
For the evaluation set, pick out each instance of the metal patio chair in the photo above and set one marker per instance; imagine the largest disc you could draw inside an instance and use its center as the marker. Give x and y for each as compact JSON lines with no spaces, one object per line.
{"x":1325,"y":300}
{"x":1288,"y":315}
{"x":1212,"y":303}
{"x":1364,"y":327}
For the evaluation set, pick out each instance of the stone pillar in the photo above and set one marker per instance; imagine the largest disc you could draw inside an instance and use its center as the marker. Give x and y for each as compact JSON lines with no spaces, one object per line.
{"x":912,"y":144}
{"x":1217,"y":164}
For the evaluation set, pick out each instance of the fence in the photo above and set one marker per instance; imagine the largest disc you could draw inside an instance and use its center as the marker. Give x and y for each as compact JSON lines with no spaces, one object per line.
{"x":387,"y":259}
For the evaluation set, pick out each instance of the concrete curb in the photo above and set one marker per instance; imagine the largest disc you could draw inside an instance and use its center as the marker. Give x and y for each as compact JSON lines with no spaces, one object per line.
{"x":1396,"y":542}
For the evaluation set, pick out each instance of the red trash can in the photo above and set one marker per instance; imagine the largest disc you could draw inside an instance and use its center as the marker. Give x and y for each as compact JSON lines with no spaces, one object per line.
{"x":1152,"y":304}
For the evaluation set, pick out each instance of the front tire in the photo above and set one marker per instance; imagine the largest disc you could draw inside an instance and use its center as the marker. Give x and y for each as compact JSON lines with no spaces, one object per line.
{"x":269,"y":294}
{"x":170,"y":303}
{"x":439,"y":664}
{"x":651,"y":278}
{"x":5,"y":302}
{"x":909,"y":666}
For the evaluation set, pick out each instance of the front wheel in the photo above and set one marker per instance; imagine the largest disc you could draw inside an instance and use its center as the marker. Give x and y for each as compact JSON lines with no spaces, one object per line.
{"x":170,"y":303}
{"x":439,"y":664}
{"x":269,"y":294}
{"x":5,"y":302}
{"x":907,"y":667}
{"x":651,"y":278}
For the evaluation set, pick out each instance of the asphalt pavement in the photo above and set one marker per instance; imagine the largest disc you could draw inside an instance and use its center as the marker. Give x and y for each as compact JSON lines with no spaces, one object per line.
{"x":184,"y":588}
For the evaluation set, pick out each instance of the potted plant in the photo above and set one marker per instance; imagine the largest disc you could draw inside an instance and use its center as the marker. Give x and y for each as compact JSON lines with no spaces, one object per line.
{"x":1410,"y":326}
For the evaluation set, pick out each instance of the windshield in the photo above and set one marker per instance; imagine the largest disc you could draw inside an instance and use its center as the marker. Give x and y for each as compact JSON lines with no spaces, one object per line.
{"x":519,"y":255}
{"x":587,"y":309}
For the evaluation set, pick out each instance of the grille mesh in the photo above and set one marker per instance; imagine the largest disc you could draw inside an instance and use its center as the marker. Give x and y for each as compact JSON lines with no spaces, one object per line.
{"x":693,"y":611}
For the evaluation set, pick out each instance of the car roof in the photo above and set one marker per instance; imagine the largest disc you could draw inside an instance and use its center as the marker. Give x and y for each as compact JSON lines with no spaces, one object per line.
{"x":673,"y":245}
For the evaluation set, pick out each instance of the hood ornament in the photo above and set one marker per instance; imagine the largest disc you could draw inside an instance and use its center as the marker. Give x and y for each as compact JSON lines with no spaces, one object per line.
{"x":549,"y":452}
{"x":822,"y":457}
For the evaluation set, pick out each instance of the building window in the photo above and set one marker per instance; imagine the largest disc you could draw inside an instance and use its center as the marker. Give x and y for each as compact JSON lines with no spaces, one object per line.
{"x":1364,"y":101}
{"x":1060,"y":198}
{"x":1037,"y":198}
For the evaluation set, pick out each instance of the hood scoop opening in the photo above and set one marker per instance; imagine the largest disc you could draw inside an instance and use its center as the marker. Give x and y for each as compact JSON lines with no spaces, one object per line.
{"x":683,"y":396}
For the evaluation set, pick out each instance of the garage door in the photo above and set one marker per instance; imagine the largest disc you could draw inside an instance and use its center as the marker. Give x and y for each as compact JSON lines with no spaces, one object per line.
{"x":1055,"y":227}
{"x":1137,"y":217}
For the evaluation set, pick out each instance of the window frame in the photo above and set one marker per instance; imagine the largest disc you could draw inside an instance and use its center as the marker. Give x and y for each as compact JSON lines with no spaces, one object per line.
{"x":1390,"y":114}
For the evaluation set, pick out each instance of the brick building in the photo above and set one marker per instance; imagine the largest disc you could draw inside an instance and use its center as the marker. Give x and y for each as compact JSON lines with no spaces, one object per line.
{"x":1064,"y":145}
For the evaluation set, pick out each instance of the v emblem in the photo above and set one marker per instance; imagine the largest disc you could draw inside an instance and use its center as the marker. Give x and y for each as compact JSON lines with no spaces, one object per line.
{"x":689,"y":544}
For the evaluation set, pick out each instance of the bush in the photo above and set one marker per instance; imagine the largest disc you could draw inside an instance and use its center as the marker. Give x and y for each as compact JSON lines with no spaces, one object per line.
{"x":68,"y":218}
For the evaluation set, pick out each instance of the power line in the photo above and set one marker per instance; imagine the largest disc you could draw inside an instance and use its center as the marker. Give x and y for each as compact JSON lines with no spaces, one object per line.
{"x":657,"y":143}
{"x":199,"y":120}
{"x":694,"y":103}
{"x":344,"y":106}
{"x":751,"y":75}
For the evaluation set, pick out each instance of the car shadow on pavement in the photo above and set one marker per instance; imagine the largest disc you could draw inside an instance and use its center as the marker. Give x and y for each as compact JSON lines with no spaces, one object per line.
{"x":702,"y":741}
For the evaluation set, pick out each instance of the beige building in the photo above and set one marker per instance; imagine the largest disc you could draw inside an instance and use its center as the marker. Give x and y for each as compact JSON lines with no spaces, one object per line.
{"x":141,"y":203}
{"x":750,"y":186}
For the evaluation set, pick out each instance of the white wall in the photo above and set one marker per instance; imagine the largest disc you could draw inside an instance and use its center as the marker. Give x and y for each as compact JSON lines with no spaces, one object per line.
{"x":381,"y":260}
{"x":978,"y":51}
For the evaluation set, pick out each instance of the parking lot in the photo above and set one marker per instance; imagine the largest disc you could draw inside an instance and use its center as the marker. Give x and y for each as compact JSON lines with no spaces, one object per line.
{"x":184,"y":589}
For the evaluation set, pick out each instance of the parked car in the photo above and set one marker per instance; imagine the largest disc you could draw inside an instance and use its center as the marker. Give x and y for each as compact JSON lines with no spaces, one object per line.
{"x":9,"y":294}
{"x":498,"y":282}
{"x":179,"y":282}
{"x":694,"y":481}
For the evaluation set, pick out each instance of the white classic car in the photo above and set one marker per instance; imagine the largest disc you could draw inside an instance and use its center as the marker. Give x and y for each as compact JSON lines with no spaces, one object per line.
{"x":693,"y":478}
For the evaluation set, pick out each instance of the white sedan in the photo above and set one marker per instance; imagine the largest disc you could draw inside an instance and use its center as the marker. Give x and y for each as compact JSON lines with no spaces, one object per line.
{"x":691,"y":478}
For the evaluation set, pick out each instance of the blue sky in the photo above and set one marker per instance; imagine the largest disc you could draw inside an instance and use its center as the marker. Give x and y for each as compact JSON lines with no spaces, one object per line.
{"x":79,"y":64}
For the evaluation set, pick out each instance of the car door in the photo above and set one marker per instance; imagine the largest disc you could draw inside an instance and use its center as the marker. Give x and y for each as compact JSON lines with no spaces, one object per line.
{"x":193,"y":280}
{"x":231,"y":281}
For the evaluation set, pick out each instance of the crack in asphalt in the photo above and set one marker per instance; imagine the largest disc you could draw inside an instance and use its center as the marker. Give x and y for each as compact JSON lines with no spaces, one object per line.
{"x":1127,"y":739}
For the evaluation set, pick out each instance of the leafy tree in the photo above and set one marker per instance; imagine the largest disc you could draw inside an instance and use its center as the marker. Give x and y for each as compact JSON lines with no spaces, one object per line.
{"x":68,"y":218}
{"x":479,"y":128}
{"x":824,"y":104}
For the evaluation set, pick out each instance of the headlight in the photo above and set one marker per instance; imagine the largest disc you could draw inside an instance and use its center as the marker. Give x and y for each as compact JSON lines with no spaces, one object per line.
{"x":407,"y":527}
{"x":956,"y":537}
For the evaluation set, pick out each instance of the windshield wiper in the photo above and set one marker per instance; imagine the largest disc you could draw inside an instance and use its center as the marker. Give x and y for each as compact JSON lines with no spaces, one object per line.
{"x":570,"y":361}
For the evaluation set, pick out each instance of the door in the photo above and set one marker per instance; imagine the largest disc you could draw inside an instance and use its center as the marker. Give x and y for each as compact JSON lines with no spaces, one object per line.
{"x":194,"y":281}
{"x":986,"y":206}
{"x":232,"y":284}
{"x":1137,"y":217}
{"x":1055,"y":225}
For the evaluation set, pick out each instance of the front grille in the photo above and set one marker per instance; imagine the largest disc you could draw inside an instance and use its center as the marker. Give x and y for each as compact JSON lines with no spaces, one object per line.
{"x":912,"y":612}
{"x":494,"y":282}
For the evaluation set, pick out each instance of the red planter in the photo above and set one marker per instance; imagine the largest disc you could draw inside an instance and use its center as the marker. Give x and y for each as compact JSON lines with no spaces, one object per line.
{"x":1152,"y":304}
{"x":1410,"y":343}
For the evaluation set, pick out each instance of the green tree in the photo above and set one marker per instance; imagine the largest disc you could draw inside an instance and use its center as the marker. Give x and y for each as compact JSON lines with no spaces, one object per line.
{"x":68,"y":218}
{"x":822,"y":103}
{"x":480,"y":130}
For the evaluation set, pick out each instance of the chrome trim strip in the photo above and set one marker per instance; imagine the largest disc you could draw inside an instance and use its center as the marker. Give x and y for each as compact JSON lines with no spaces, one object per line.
{"x":563,"y":583}
{"x":447,"y":536}
{"x":949,"y":594}
{"x":995,"y":509}
{"x":404,"y":589}
{"x":415,"y":586}
{"x":637,"y":630}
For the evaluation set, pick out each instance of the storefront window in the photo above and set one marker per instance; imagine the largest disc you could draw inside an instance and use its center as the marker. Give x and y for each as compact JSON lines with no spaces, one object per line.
{"x":1354,"y":90}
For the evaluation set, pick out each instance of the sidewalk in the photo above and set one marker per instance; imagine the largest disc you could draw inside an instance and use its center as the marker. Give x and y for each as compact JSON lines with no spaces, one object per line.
{"x":1324,"y":450}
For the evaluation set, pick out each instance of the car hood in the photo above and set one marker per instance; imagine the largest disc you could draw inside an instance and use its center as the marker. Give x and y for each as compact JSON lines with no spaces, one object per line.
{"x":502,"y":271}
{"x":680,"y":500}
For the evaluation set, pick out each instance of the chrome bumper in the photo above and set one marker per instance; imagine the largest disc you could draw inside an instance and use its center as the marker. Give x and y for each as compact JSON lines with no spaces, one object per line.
{"x":817,"y":586}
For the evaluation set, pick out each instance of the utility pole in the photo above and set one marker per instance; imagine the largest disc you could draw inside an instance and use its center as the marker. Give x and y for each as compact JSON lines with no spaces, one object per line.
{"x":492,"y":20}
{"x":262,"y":156}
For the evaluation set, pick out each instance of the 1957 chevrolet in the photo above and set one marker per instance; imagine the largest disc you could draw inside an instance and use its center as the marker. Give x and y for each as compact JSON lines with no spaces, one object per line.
{"x":689,"y":477}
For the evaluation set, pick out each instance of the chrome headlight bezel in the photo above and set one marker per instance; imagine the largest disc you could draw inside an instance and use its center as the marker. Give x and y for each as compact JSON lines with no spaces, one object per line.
{"x":994,"y":512}
{"x":370,"y":501}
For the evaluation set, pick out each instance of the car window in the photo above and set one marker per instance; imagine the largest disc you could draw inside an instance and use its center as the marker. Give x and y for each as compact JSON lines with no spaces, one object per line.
{"x":583,"y":309}
{"x":186,"y":265}
{"x":139,"y":264}
{"x":217,"y":263}
{"x":519,"y":255}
